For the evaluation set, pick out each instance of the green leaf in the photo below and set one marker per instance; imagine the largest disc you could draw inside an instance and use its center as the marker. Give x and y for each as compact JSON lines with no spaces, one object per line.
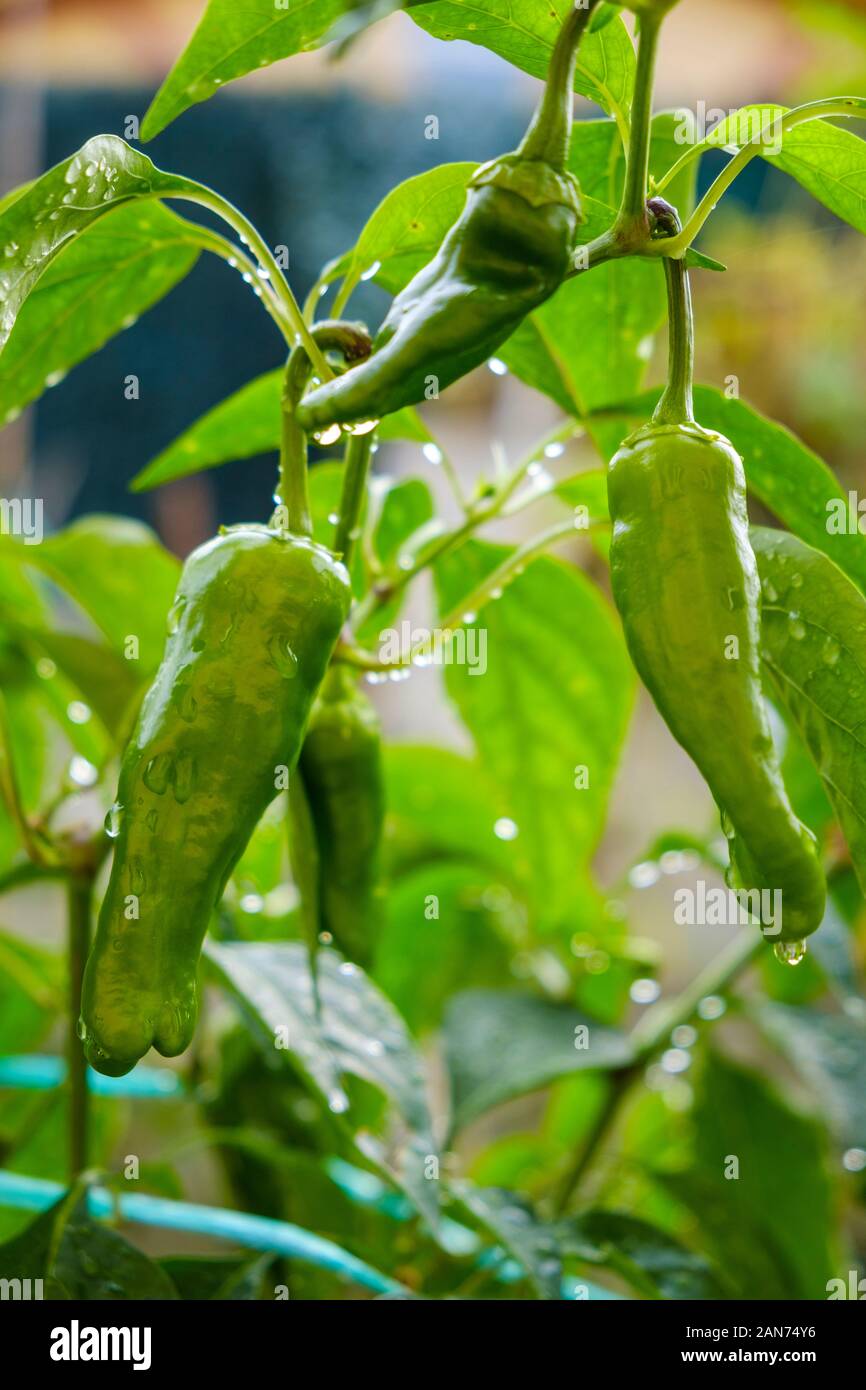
{"x":103,"y":282}
{"x":771,"y":1229}
{"x":829,"y":1052}
{"x":120,"y":575}
{"x":524,"y":33}
{"x":359,"y":1033}
{"x":698,"y":261}
{"x":442,"y":807}
{"x":500,"y":1045}
{"x":106,"y":682}
{"x":814,"y":646}
{"x":512,"y":1222}
{"x":407,"y":228}
{"x":830,"y":163}
{"x":30,"y":993}
{"x":243,"y":425}
{"x":105,"y":174}
{"x":792,"y":481}
{"x":652,"y":1261}
{"x":197,"y":1278}
{"x":554,"y":700}
{"x":447,"y":928}
{"x":232,"y":40}
{"x":81,"y":1259}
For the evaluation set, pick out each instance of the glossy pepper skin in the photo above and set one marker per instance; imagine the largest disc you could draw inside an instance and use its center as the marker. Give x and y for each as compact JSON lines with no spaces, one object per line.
{"x":341,"y":770}
{"x":508,"y":253}
{"x":686,"y":583}
{"x":251,"y":633}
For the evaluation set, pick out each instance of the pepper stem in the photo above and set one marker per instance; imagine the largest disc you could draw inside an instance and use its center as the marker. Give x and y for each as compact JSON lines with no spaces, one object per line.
{"x":676,"y":406}
{"x":353,"y":342}
{"x":359,"y":451}
{"x":549,"y":133}
{"x":633,"y":210}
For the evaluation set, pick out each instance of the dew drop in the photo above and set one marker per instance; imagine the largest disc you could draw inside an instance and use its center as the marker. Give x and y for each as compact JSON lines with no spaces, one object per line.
{"x":82,"y":773}
{"x":158,"y":772}
{"x":790,"y":952}
{"x":175,"y":614}
{"x":282,"y":656}
{"x":114,"y":821}
{"x":506,"y":829}
{"x":644,"y":991}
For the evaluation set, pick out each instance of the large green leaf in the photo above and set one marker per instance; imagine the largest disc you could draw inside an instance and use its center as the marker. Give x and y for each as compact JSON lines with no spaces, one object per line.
{"x":101,"y":177}
{"x":814,"y":645}
{"x":770,"y":1227}
{"x":447,"y":928}
{"x":548,"y":715}
{"x":106,"y":682}
{"x":105,"y":279}
{"x":512,"y":1222}
{"x":119,"y":573}
{"x":829,"y":1052}
{"x":827,"y":160}
{"x":30,"y":992}
{"x":524,"y":33}
{"x":407,"y":228}
{"x":81,"y":1259}
{"x":647,"y":1258}
{"x":243,"y":425}
{"x":500,"y":1045}
{"x":358,"y":1032}
{"x":792,"y":481}
{"x":442,"y":807}
{"x":232,"y":40}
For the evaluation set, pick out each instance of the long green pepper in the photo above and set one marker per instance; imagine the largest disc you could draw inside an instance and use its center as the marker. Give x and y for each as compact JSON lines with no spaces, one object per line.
{"x":508,"y":252}
{"x":686,"y":584}
{"x":255,"y":622}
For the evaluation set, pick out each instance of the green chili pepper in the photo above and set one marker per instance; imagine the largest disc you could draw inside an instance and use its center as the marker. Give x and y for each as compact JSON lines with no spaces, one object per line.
{"x":252,"y":630}
{"x":508,"y":253}
{"x":341,"y":771}
{"x":686,"y":583}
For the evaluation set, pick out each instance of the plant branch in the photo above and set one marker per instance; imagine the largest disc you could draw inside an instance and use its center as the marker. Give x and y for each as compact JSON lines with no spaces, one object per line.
{"x":79,"y":896}
{"x":249,"y":235}
{"x":469,"y":607}
{"x":651,"y":1034}
{"x":677,"y":246}
{"x":632,"y":218}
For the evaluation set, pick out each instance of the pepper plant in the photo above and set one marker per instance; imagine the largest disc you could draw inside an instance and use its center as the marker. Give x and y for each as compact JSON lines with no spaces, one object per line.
{"x":366,"y":901}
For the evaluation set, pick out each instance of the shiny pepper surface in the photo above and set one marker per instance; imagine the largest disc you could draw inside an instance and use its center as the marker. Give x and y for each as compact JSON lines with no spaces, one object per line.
{"x":251,"y":633}
{"x":341,"y":769}
{"x":509,"y":251}
{"x":686,"y":584}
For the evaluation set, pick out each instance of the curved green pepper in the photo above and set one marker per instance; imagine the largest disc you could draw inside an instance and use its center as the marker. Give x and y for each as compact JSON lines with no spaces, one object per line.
{"x":341,"y":770}
{"x":508,"y":253}
{"x":686,"y":584}
{"x":256,"y":619}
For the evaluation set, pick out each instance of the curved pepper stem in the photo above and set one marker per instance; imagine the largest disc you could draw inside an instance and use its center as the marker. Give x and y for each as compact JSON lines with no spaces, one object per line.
{"x":549,"y":133}
{"x":676,"y":406}
{"x":353,"y":342}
